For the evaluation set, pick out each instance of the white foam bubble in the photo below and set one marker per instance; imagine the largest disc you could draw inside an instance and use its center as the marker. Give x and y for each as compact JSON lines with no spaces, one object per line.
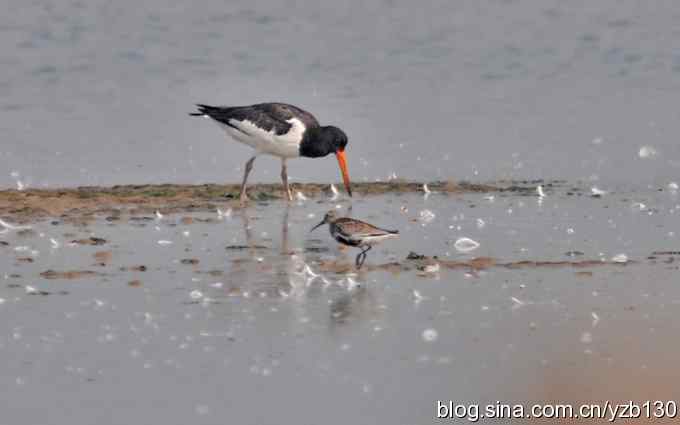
{"x":430,"y":335}
{"x":598,"y":192}
{"x":426,"y":216}
{"x":335,"y":192}
{"x":539,"y":190}
{"x":466,"y":244}
{"x":620,"y":258}
{"x":10,"y":226}
{"x":647,"y":152}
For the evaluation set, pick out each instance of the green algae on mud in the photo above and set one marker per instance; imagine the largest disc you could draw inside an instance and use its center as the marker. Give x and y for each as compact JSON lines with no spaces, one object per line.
{"x":83,"y":201}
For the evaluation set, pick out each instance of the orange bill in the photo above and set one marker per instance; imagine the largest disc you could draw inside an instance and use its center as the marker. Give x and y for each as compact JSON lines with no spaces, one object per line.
{"x":343,"y":168}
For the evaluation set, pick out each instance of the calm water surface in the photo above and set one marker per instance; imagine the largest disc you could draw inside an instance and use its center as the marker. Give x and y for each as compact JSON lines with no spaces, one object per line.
{"x":97,"y":92}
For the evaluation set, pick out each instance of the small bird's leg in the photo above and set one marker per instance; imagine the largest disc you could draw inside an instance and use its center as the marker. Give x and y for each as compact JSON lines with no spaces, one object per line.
{"x":284,"y":178}
{"x":360,"y":259}
{"x":362,"y":254}
{"x":243,"y":197}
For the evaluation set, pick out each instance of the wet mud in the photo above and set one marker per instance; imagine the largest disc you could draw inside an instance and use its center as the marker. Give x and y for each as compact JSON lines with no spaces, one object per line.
{"x":422,"y":263}
{"x":134,"y":200}
{"x":69,"y":274}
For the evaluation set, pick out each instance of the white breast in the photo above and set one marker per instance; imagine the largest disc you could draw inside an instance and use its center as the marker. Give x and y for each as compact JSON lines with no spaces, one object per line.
{"x":285,"y":145}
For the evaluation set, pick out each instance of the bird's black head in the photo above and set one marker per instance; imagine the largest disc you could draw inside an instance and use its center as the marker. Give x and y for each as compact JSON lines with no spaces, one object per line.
{"x":322,"y":141}
{"x":335,"y":137}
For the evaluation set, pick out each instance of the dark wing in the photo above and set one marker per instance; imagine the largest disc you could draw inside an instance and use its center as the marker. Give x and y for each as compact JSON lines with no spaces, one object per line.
{"x":284,"y":112}
{"x":355,"y":229}
{"x":268,"y":116}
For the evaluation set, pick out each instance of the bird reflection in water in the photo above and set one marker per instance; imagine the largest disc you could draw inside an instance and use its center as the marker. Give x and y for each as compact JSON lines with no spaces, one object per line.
{"x":285,"y":272}
{"x":272,"y":272}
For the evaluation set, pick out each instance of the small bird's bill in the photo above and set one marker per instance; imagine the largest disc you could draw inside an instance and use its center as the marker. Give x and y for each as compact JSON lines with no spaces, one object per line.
{"x":342,"y":161}
{"x":318,"y":225}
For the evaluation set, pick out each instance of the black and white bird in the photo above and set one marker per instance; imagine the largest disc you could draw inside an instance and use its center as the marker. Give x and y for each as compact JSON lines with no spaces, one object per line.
{"x":280,"y":130}
{"x":351,"y":232}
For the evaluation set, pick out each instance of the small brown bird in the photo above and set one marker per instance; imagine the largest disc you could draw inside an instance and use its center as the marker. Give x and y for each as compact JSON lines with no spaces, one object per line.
{"x":351,"y":232}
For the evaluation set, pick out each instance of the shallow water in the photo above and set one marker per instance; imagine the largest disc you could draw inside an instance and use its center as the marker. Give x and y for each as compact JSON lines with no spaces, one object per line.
{"x":249,"y":318}
{"x":98,"y":92}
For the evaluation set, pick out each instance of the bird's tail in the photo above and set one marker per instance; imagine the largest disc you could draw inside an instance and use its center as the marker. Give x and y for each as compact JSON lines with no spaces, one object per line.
{"x":202,"y":110}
